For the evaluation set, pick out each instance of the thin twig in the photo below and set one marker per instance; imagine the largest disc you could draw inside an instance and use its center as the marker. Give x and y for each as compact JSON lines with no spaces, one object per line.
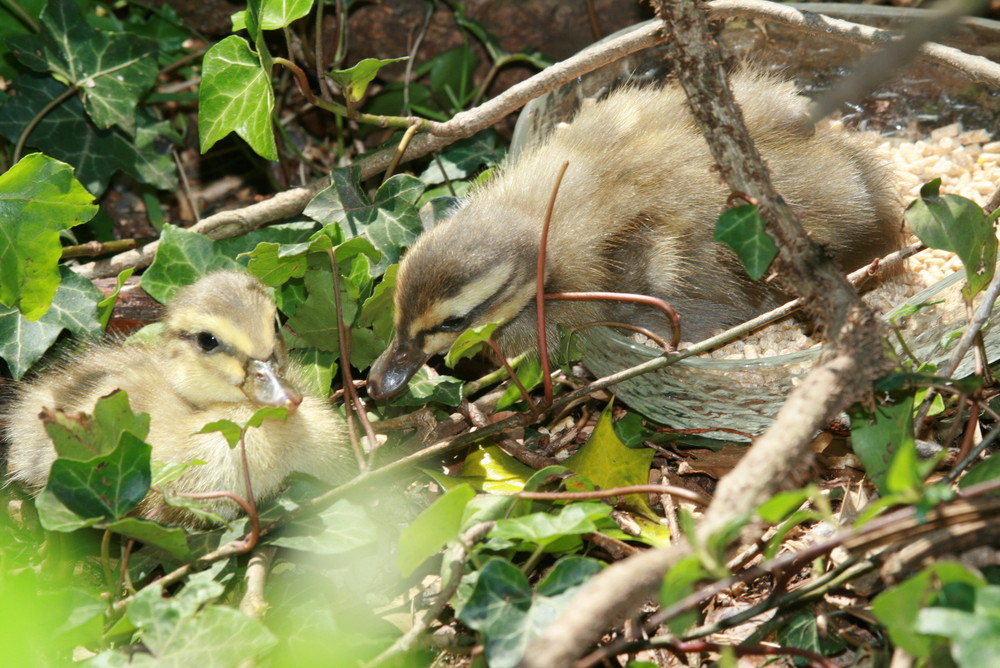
{"x":543,"y":246}
{"x":352,"y":402}
{"x":671,"y":490}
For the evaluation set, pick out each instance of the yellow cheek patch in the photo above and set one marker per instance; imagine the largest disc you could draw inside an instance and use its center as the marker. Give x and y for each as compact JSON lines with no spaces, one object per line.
{"x":472,"y":295}
{"x":438,"y":343}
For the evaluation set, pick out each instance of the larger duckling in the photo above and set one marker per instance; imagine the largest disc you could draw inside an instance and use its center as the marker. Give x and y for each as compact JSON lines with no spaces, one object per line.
{"x":635,"y":213}
{"x":219,"y":357}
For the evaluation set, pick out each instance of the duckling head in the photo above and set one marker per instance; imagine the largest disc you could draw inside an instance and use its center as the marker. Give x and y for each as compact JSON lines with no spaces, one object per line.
{"x":223,"y":346}
{"x":447,"y":283}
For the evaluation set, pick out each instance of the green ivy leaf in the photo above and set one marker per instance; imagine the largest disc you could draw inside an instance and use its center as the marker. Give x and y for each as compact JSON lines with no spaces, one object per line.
{"x":742,"y":229}
{"x":181,"y":259}
{"x":279,"y":413}
{"x":432,"y":529}
{"x":213,"y":634}
{"x":529,"y":372}
{"x":65,"y":133}
{"x":377,"y":311}
{"x":423,"y":389}
{"x":469,"y":343}
{"x":111,"y":70}
{"x":339,"y":529}
{"x":74,"y":307}
{"x":39,"y":198}
{"x":316,"y":369}
{"x":956,"y":224}
{"x":55,"y":516}
{"x":490,"y":469}
{"x":463,"y":157}
{"x":678,"y":584}
{"x":235,"y":95}
{"x":877,"y":437}
{"x":502,"y":608}
{"x":544,"y":528}
{"x":107,"y":486}
{"x":802,"y":631}
{"x":275,"y":14}
{"x":106,"y":307}
{"x":354,"y":80}
{"x":231,"y":431}
{"x":81,"y":437}
{"x":172,"y":540}
{"x":898,"y":608}
{"x":606,"y":461}
{"x":984,"y":471}
{"x":390,"y":223}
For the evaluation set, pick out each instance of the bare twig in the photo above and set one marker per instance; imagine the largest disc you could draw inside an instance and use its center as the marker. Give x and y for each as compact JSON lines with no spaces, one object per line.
{"x":672,"y":490}
{"x":543,"y":244}
{"x":253,"y":603}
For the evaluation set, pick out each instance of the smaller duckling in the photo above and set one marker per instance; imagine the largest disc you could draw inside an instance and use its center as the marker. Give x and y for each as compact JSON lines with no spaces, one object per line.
{"x":220,"y":357}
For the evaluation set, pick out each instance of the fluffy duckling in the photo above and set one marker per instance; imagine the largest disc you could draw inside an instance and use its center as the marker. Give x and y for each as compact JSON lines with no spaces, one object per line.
{"x":220,"y":356}
{"x":635,"y":213}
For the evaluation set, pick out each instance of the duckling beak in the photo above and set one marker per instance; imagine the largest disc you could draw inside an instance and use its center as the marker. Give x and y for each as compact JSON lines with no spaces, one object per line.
{"x":394,"y":368}
{"x":266,"y":386}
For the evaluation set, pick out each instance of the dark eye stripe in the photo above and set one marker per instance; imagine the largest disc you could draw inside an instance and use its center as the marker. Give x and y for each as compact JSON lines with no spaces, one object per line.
{"x":461,"y":323}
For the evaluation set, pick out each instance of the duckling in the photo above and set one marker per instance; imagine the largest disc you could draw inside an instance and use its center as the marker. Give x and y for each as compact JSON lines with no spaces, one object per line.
{"x":219,"y":357}
{"x":635,"y":213}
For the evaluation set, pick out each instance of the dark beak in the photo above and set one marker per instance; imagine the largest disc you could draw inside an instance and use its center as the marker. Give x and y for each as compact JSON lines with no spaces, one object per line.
{"x":264,"y":385}
{"x":394,"y":368}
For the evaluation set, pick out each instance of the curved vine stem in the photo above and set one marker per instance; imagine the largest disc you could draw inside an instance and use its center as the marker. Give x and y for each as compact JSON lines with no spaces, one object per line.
{"x":33,"y":123}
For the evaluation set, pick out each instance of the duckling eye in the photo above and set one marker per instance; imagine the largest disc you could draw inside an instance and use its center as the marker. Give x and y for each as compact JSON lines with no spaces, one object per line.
{"x":207,"y":341}
{"x":455,"y":324}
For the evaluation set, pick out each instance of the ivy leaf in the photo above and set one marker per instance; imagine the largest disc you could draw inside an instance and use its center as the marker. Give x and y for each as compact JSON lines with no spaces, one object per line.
{"x":111,"y":70}
{"x":231,"y":431}
{"x":55,"y":516}
{"x":172,"y":540}
{"x":469,"y":343}
{"x":339,"y":529}
{"x":354,"y":80}
{"x":214,"y":635}
{"x":377,"y":311}
{"x":181,"y":259}
{"x":742,"y":229}
{"x":275,"y":14}
{"x":422,"y":389}
{"x":39,"y":198}
{"x":67,"y":134}
{"x":802,"y":631}
{"x":503,"y":609}
{"x":608,"y":462}
{"x":82,"y":437}
{"x":956,"y":224}
{"x":316,"y":369}
{"x":74,"y":307}
{"x":543,"y":529}
{"x":432,"y":529}
{"x":106,"y":307}
{"x":877,"y":437}
{"x":107,"y":486}
{"x":463,"y":157}
{"x":235,"y":95}
{"x":390,"y":223}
